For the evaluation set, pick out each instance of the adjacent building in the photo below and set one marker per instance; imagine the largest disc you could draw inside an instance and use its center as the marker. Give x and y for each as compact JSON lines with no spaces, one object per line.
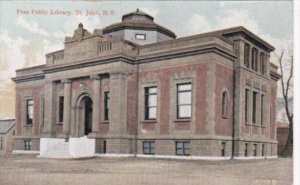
{"x":7,"y":132}
{"x":134,"y":88}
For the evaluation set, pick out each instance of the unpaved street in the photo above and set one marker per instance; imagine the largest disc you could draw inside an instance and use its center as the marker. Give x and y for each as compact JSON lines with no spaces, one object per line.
{"x":29,"y":170}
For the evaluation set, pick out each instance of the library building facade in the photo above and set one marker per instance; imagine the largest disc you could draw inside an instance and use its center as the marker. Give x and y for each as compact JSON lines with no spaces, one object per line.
{"x":133,"y":88}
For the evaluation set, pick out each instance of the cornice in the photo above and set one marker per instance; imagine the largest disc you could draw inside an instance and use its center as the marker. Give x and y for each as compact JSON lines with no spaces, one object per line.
{"x":84,"y":63}
{"x":212,"y":48}
{"x":29,"y":78}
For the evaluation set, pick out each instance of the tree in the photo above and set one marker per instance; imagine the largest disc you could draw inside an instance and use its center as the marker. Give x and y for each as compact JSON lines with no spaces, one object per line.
{"x":286,"y":65}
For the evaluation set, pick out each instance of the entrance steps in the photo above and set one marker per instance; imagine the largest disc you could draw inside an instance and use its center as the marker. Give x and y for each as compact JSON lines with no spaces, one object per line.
{"x":60,"y":148}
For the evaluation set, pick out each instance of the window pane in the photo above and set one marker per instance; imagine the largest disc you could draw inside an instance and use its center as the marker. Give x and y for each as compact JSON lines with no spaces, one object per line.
{"x":179,"y":151}
{"x":152,"y":144}
{"x":184,"y":98}
{"x":152,"y":112}
{"x":140,"y":36}
{"x":187,"y":151}
{"x":30,"y":109}
{"x":184,"y":87}
{"x":152,"y":100}
{"x":152,"y":90}
{"x":179,"y":145}
{"x":184,"y":111}
{"x":146,"y":150}
{"x":187,"y":145}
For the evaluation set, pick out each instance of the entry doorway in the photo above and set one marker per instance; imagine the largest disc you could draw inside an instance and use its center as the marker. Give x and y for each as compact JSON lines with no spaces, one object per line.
{"x":88,"y":115}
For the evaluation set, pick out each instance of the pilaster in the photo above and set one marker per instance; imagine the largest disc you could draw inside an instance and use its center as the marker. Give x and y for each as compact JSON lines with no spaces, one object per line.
{"x":96,"y":102}
{"x":67,"y":106}
{"x":50,"y":88}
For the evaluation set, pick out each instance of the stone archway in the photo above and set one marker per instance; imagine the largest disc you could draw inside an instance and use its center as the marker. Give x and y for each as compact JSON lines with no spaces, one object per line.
{"x":83,"y":115}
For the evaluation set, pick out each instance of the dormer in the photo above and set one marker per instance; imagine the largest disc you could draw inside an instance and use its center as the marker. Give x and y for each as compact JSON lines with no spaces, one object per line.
{"x":140,"y":28}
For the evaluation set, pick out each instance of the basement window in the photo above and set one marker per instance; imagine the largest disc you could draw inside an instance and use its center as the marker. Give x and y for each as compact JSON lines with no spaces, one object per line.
{"x":27,"y":144}
{"x":183,"y":148}
{"x":149,"y":147}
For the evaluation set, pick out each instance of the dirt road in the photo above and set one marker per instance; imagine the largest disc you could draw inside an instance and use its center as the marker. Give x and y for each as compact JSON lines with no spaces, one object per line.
{"x":29,"y":170}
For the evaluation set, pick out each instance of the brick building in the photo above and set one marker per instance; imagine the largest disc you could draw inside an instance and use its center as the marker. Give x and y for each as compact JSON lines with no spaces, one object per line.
{"x":134,"y":88}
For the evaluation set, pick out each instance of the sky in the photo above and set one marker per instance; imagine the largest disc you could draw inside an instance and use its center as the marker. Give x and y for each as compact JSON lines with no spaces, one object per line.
{"x":29,"y":30}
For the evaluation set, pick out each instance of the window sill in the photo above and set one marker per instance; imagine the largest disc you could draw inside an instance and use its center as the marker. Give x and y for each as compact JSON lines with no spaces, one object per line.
{"x":248,"y":124}
{"x":225,"y":117}
{"x":28,"y":126}
{"x":263,"y":126}
{"x":256,"y":125}
{"x":182,"y":120}
{"x":149,"y":121}
{"x":104,"y":122}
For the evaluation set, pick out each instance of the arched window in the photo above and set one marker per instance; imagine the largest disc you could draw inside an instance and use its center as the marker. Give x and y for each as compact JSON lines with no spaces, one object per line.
{"x":224,"y":104}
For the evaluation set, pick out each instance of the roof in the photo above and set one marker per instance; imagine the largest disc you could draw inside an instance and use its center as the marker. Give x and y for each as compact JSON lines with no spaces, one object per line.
{"x":248,"y":33}
{"x":6,"y":125}
{"x":138,"y":20}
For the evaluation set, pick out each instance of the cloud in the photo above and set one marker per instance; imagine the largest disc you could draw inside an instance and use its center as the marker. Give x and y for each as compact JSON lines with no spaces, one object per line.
{"x":89,"y":22}
{"x":51,"y":47}
{"x":12,"y":55}
{"x":198,"y":24}
{"x":33,"y":27}
{"x":152,"y":12}
{"x":234,"y":17}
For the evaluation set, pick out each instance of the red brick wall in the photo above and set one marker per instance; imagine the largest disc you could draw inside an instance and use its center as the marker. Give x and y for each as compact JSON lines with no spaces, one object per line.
{"x":224,"y":81}
{"x":165,"y":76}
{"x":201,"y":102}
{"x":21,"y":95}
{"x":132,"y":98}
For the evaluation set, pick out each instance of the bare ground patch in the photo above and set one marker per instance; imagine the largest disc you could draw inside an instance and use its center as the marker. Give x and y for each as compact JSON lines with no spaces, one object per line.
{"x":29,"y":170}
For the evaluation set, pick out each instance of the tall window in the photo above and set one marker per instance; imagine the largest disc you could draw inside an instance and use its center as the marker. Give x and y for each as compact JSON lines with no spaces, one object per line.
{"x":184,"y":100}
{"x":61,"y":109}
{"x":246,"y":149}
{"x":223,"y":150}
{"x":263,"y":150}
{"x":246,"y":104}
{"x":150,"y":103}
{"x":27,"y":144}
{"x":29,"y":112}
{"x":262,"y":99}
{"x":246,"y":54}
{"x":224,"y":103}
{"x":254,"y":59}
{"x":254,"y":107}
{"x":254,"y":149}
{"x":262,"y":63}
{"x":149,"y":147}
{"x":183,"y":148}
{"x":106,"y":105}
{"x":1,"y":143}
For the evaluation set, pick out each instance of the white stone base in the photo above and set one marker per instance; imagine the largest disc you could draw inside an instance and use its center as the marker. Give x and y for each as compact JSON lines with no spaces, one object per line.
{"x":24,"y":152}
{"x":74,"y":148}
{"x":252,"y":157}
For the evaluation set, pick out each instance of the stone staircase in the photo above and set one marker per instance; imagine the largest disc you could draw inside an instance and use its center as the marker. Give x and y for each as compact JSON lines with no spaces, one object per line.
{"x":59,"y":150}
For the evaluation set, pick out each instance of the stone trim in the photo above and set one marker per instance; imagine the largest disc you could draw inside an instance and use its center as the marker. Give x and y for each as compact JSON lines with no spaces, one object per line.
{"x":84,"y":63}
{"x":28,"y":78}
{"x":211,"y":48}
